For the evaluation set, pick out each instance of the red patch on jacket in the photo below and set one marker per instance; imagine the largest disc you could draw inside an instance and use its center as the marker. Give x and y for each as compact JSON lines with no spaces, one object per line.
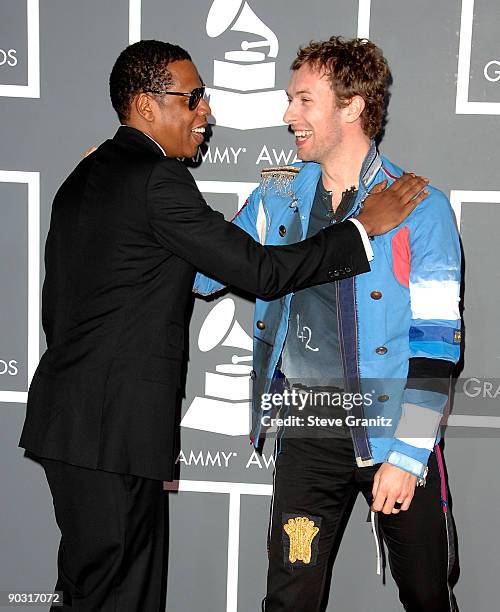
{"x":401,"y":256}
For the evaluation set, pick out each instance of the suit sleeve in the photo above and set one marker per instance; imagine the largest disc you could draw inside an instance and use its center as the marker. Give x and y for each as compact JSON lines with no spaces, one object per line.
{"x":246,"y":219}
{"x":184,"y":224}
{"x":434,"y":335}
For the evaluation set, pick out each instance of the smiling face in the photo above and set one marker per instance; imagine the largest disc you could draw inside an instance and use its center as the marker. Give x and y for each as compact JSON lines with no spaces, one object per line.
{"x":313,"y":115}
{"x":177,"y":129}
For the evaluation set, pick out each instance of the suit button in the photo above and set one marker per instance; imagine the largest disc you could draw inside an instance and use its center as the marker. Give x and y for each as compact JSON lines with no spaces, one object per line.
{"x":381,"y":350}
{"x":333,"y":273}
{"x":383,"y":398}
{"x":282,"y":230}
{"x":348,"y":270}
{"x":253,"y":374}
{"x":261,"y":325}
{"x":376,"y":295}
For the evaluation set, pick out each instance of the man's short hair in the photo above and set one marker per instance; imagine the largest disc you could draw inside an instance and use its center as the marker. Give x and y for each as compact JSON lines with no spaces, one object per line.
{"x":355,"y":67}
{"x":139,"y":68}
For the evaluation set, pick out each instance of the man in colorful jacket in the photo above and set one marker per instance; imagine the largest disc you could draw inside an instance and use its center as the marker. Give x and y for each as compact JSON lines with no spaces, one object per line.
{"x":385,"y":343}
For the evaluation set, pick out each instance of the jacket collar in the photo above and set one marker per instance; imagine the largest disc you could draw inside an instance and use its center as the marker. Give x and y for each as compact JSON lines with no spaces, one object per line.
{"x":136,"y":140}
{"x":370,"y":167}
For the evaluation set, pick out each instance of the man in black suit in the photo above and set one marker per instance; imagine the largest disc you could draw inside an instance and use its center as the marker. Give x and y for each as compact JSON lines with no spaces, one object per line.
{"x":128,"y":230}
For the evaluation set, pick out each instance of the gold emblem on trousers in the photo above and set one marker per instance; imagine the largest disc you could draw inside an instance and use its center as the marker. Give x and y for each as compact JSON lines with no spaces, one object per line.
{"x":301,"y":532}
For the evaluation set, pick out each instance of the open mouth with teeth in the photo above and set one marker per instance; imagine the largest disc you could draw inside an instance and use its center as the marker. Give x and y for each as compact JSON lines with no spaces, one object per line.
{"x":199,"y":134}
{"x":302,"y":135}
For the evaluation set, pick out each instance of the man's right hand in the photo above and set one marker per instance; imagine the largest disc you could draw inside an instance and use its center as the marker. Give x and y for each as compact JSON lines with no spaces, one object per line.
{"x":384,"y":209}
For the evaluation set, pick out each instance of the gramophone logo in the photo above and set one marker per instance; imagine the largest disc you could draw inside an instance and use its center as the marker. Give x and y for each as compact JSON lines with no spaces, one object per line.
{"x":225,"y":406}
{"x":243,"y":94}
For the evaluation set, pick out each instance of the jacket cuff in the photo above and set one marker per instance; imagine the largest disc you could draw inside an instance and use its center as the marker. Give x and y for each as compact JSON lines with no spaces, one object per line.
{"x":409,"y":464}
{"x":205,"y":286}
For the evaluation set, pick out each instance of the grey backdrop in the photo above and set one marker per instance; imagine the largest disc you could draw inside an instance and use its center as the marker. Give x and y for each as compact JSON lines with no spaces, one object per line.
{"x":443,"y":122}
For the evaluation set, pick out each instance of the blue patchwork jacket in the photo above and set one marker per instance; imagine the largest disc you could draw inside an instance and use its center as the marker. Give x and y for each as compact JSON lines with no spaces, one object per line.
{"x":399,"y":324}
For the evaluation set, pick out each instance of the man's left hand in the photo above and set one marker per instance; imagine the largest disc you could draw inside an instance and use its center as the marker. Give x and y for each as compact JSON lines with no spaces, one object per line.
{"x":391,"y":484}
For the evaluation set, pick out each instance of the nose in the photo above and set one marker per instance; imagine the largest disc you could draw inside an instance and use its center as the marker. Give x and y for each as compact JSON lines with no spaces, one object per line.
{"x":289,"y":113}
{"x":203,"y":108}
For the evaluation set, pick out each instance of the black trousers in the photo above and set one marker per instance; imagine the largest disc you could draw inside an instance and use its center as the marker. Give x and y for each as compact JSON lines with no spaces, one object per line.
{"x":317,"y":482}
{"x":113,"y":550}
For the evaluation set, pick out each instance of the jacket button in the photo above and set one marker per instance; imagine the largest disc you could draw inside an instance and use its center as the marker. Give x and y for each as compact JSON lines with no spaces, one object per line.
{"x":383,"y":398}
{"x":282,"y":230}
{"x":261,"y":325}
{"x":253,"y":374}
{"x":381,"y":350}
{"x":333,"y":273}
{"x":376,"y":295}
{"x":348,"y":270}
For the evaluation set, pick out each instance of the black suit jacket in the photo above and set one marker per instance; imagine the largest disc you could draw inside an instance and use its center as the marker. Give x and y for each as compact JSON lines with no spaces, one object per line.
{"x":128,"y":229}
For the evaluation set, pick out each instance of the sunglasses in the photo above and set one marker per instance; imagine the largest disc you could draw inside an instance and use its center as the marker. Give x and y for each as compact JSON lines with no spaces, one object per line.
{"x":194,"y":96}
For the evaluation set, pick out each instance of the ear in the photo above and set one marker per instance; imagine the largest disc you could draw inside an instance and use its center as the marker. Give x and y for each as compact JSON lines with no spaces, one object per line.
{"x":145,"y":106}
{"x":354,"y":109}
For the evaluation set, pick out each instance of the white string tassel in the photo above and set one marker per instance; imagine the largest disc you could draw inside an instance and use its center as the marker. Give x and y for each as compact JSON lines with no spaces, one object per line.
{"x":377,"y":544}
